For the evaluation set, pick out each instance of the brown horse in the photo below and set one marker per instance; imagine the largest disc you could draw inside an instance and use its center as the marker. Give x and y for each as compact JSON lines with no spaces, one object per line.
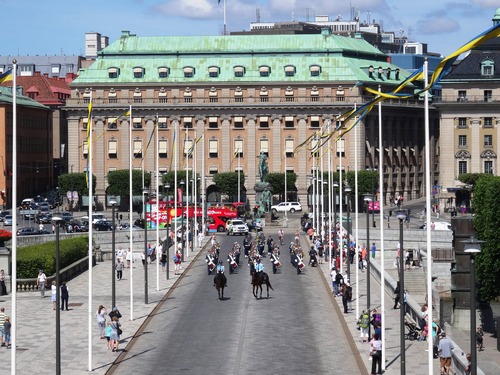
{"x":257,"y":284}
{"x":220,"y":284}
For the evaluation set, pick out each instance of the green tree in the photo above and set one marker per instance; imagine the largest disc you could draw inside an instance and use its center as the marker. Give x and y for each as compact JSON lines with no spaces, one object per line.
{"x":486,"y":201}
{"x":119,"y":182}
{"x":75,"y":182}
{"x":227,"y":183}
{"x":367,"y":181}
{"x":277,"y":183}
{"x":471,"y":178}
{"x":181,"y":176}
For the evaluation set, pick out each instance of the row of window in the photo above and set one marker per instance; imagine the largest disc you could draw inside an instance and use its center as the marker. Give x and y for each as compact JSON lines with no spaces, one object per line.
{"x":463,"y":166}
{"x":487,"y":141}
{"x":464,"y":122}
{"x":214,"y":71}
{"x":487,"y":96}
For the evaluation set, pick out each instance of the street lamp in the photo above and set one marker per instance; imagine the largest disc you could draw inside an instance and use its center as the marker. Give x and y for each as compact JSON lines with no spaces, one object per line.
{"x":401,"y":215}
{"x":472,"y":247}
{"x":347,"y":191}
{"x":193,"y":219}
{"x":167,"y":241}
{"x":145,"y":196}
{"x":56,"y":221}
{"x":113,"y":202}
{"x":368,"y":199}
{"x":182,"y":183}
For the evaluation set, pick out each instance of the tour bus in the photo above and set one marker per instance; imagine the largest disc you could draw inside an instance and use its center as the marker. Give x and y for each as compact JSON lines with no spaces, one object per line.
{"x":216,"y":216}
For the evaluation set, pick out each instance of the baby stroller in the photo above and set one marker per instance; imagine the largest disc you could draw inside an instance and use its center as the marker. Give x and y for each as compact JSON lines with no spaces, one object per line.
{"x":412,"y":331}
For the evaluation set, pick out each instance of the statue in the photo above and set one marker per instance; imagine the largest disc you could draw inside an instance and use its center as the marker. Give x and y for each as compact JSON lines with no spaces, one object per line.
{"x":266,"y":200}
{"x":263,"y":167}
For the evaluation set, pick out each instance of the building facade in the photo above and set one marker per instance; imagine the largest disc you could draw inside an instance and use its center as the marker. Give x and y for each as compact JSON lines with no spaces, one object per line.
{"x":245,"y":95}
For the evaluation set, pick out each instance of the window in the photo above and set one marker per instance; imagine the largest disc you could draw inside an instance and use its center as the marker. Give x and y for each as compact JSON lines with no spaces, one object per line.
{"x":289,"y":123}
{"x":264,"y":94}
{"x":85,"y":123}
{"x":162,"y":96}
{"x":163,"y":72}
{"x":26,"y":70}
{"x":85,"y":149}
{"x":137,"y":123}
{"x":213,"y":148}
{"x":238,"y":148}
{"x":55,"y":69}
{"x":488,"y":122}
{"x":314,"y":121}
{"x":162,"y":122}
{"x":488,"y":95}
{"x":289,"y":94}
{"x":188,"y":148}
{"x":212,"y":95}
{"x":137,"y":96}
{"x":188,"y":95}
{"x":462,"y":122}
{"x":462,"y":167}
{"x":487,"y":67}
{"x":113,"y":72}
{"x":488,"y":166}
{"x":314,"y":94}
{"x":340,"y":146}
{"x":188,"y":122}
{"x":264,"y":71}
{"x":137,"y":148}
{"x":238,"y":122}
{"x":112,"y":96}
{"x":112,"y":123}
{"x":264,"y":146}
{"x":213,"y":123}
{"x":462,"y":96}
{"x":264,"y":121}
{"x":112,"y":149}
{"x":162,"y":148}
{"x":239,"y":71}
{"x":289,"y":147}
{"x":488,"y":140}
{"x":213,"y":170}
{"x":462,"y":141}
{"x":69,"y":68}
{"x":138,"y":72}
{"x":213,"y":71}
{"x":238,"y":95}
{"x":290,"y":70}
{"x":315,"y":70}
{"x":188,"y":72}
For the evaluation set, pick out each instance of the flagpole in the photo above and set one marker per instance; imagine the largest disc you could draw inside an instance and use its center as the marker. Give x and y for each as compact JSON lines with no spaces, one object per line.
{"x":90,"y":246}
{"x":14,"y":219}
{"x":195,"y":195}
{"x":286,"y":189}
{"x":381,"y":197}
{"x":341,"y":220}
{"x":203,"y":191}
{"x":239,"y":186}
{"x":157,"y":172}
{"x":185,"y":233}
{"x":225,"y":27}
{"x":176,"y":192}
{"x":130,"y":202}
{"x":356,"y":209}
{"x":330,"y":184}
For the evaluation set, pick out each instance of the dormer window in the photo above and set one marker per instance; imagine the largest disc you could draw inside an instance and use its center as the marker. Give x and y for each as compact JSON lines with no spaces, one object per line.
{"x":315,"y":70}
{"x":290,"y":70}
{"x":213,"y":71}
{"x":487,"y":67}
{"x":113,"y":72}
{"x":264,"y":71}
{"x":188,"y":72}
{"x":370,"y":71}
{"x":239,"y":71}
{"x":163,"y":72}
{"x":138,"y":72}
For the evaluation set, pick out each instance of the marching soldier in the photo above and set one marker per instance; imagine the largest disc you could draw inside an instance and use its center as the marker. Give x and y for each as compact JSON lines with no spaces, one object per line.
{"x":211,"y":261}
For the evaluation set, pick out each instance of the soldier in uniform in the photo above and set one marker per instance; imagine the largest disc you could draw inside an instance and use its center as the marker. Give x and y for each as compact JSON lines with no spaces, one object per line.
{"x":211,"y":262}
{"x":247,"y":245}
{"x":220,"y":270}
{"x":275,"y":259}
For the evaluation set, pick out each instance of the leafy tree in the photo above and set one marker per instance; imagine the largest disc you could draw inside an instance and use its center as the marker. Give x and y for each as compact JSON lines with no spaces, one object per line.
{"x":367,"y":181}
{"x":181,"y":176}
{"x":471,"y":178}
{"x":227,"y":183}
{"x":75,"y":182}
{"x":119,"y":182}
{"x":277,"y":183}
{"x":486,"y":222}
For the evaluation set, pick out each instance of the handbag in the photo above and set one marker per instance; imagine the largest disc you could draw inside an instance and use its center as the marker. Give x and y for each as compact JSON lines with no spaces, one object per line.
{"x":119,"y":331}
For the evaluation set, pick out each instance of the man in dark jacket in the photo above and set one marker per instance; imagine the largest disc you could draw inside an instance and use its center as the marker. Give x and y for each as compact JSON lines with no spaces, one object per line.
{"x":114,"y":312}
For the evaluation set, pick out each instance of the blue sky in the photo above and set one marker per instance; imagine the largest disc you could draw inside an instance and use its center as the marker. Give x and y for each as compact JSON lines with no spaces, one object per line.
{"x":54,"y":27}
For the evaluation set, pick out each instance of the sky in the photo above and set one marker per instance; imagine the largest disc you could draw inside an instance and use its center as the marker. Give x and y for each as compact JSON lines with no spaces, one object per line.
{"x":57,"y":27}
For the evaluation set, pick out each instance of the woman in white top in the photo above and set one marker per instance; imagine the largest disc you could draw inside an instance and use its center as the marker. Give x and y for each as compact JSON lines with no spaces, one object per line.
{"x":53,"y":289}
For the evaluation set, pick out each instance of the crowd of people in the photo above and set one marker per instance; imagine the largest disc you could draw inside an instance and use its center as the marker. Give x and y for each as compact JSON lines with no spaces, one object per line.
{"x":110,"y":330}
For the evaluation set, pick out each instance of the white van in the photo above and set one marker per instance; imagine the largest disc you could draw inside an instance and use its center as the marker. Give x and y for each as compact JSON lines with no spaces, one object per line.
{"x":97,"y":217}
{"x":439,"y":225}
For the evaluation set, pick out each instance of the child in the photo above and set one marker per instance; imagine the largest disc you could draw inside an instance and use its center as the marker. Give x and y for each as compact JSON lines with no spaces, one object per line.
{"x":6,"y":332}
{"x":108,"y":334}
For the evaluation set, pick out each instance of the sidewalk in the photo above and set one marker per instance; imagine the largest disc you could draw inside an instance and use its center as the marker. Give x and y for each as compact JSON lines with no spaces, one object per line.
{"x":36,"y":326}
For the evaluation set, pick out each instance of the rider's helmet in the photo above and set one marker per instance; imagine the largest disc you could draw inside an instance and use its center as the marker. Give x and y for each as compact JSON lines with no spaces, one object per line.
{"x":220,"y":262}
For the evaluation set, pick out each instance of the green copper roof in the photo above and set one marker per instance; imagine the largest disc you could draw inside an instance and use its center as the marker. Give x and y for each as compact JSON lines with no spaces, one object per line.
{"x":340,"y":59}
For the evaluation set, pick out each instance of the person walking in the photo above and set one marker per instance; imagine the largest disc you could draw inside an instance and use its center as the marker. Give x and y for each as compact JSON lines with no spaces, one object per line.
{"x":119,"y":269}
{"x":129,"y":258}
{"x":115,"y":312}
{"x":41,"y":281}
{"x":115,"y":333}
{"x":53,"y":294}
{"x":2,"y":321}
{"x":445,"y":348}
{"x":101,"y":320}
{"x":396,"y":295}
{"x":374,"y":250}
{"x":6,"y":332}
{"x":376,"y":354}
{"x":364,"y":323}
{"x":3,"y":288}
{"x":64,"y":296}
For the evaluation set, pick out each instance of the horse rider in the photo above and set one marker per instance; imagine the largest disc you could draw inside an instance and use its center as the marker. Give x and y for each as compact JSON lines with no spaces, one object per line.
{"x":220,"y":271}
{"x":211,"y":261}
{"x":247,"y":245}
{"x":231,"y":259}
{"x":236,"y":251}
{"x":275,"y":259}
{"x":259,"y":269}
{"x":281,"y":234}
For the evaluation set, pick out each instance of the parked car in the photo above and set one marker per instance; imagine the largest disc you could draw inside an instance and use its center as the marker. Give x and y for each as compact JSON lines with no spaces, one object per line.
{"x":287,"y":206}
{"x":27,"y":231}
{"x":236,"y":226}
{"x":78,"y":226}
{"x":103,"y":225}
{"x":67,"y":217}
{"x":7,"y":221}
{"x":3,"y":214}
{"x":45,"y":218}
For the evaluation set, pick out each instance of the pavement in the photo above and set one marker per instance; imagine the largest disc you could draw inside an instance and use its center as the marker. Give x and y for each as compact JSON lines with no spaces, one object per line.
{"x":36,"y":323}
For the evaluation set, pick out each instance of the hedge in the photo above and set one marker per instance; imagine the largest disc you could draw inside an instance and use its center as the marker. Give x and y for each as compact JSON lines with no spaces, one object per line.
{"x":32,"y":258}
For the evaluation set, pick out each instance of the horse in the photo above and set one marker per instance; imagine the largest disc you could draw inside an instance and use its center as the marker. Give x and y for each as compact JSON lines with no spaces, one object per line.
{"x":257,"y":283}
{"x":220,"y":284}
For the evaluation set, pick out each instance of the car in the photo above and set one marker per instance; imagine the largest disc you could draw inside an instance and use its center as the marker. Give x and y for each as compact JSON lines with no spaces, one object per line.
{"x":236,"y":226}
{"x":287,"y":206}
{"x":3,"y":214}
{"x":27,"y":231}
{"x":7,"y":221}
{"x":97,"y":217}
{"x":44,"y":206}
{"x":44,"y":218}
{"x":103,"y":225}
{"x":67,"y":217}
{"x":79,"y":226}
{"x":256,"y":225}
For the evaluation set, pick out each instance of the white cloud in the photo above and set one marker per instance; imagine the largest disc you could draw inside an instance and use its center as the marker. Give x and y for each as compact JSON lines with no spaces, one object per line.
{"x":441,"y":25}
{"x":493,"y":4}
{"x":199,"y":9}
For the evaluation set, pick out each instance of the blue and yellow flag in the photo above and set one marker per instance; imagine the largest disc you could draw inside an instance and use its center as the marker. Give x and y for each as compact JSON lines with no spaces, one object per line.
{"x":6,"y":77}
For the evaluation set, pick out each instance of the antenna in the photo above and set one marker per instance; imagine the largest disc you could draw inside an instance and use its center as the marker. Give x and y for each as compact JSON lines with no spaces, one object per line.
{"x":308,"y":14}
{"x":257,"y":14}
{"x":293,"y":16}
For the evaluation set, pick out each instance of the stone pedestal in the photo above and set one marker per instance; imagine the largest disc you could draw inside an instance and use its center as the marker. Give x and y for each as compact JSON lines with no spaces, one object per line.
{"x":6,"y":265}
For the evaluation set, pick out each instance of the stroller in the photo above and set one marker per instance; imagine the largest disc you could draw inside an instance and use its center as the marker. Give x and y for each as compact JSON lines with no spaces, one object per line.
{"x":412,"y":331}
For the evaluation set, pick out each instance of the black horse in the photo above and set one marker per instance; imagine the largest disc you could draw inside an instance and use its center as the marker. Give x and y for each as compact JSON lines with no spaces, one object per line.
{"x":220,"y":284}
{"x":257,"y":284}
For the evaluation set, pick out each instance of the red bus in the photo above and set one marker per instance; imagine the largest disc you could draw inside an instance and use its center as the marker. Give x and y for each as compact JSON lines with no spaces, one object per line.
{"x":216,"y":216}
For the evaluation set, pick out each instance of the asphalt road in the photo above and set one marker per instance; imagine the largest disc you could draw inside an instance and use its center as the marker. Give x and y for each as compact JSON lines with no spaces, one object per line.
{"x":295,"y":331}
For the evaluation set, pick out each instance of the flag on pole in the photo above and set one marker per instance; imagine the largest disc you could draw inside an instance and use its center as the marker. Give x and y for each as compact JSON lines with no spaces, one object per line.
{"x":89,"y":140}
{"x":6,"y":77}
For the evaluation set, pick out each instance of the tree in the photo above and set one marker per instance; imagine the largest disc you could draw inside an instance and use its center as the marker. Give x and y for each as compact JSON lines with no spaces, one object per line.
{"x":471,"y":179}
{"x":227,"y":183}
{"x":181,"y":176}
{"x":119,"y":182}
{"x":277,"y":183}
{"x":75,"y":182}
{"x":486,"y":201}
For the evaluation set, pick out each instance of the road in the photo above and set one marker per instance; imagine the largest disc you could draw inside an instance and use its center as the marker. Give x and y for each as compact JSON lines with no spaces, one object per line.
{"x":296,"y":331}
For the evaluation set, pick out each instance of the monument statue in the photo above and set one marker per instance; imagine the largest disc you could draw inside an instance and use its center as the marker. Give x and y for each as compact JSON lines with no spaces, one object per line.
{"x":266,"y":200}
{"x":263,"y":167}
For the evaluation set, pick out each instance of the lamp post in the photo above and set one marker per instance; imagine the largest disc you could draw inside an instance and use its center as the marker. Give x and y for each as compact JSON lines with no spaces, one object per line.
{"x":167,"y":241}
{"x":182,"y":223}
{"x":56,"y":221}
{"x":112,"y":202}
{"x":193,"y":219}
{"x":401,"y":215}
{"x":472,"y":246}
{"x":367,"y":200}
{"x":145,"y":196}
{"x":347,"y":191}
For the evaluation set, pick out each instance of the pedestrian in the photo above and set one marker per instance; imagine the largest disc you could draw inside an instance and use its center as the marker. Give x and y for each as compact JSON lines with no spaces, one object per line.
{"x":374,"y":250}
{"x":119,"y":269}
{"x":2,"y":321}
{"x":108,"y":335}
{"x":3,"y":288}
{"x":143,"y":258}
{"x":397,"y":295}
{"x":479,"y":339}
{"x":177,"y":262}
{"x":376,"y":354}
{"x":129,"y":258}
{"x":101,"y":320}
{"x":345,"y":297}
{"x":364,"y":324}
{"x":115,"y":312}
{"x":115,"y":333}
{"x":53,"y":294}
{"x":64,"y":296}
{"x":6,"y":332}
{"x":41,"y":281}
{"x":163,"y":261}
{"x":445,"y":349}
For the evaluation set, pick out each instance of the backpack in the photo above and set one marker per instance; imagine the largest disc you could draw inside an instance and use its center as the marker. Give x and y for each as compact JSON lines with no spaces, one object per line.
{"x":176,"y":259}
{"x":349,"y":293}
